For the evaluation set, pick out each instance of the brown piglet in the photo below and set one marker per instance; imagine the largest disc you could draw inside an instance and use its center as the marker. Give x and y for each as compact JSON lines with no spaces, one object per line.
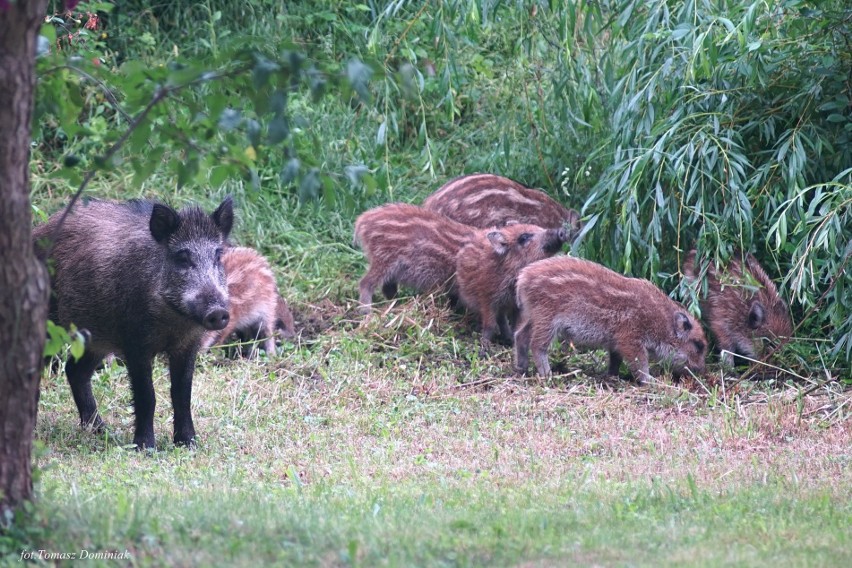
{"x":488,"y":266}
{"x":409,"y":246}
{"x":488,"y":200}
{"x":256,"y":309}
{"x":741,"y":305}
{"x":594,"y":307}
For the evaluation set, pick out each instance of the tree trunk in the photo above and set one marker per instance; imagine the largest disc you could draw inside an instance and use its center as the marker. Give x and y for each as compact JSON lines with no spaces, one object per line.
{"x":23,"y":280}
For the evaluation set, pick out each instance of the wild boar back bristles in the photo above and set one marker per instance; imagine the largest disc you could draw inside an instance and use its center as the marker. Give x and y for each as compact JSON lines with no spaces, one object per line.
{"x":488,"y":200}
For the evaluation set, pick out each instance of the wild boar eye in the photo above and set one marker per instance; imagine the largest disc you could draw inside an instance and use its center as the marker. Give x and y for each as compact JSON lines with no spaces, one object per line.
{"x":218,"y":255}
{"x":699,"y":345}
{"x":524,"y":238}
{"x":183,"y":259}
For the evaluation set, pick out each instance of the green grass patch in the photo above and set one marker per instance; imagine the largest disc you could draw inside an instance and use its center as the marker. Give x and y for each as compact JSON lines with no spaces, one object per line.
{"x":389,"y":442}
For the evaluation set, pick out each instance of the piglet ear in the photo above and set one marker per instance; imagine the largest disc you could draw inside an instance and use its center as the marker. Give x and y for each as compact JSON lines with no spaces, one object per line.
{"x":573,"y":222}
{"x":756,"y":315}
{"x":498,"y":241}
{"x":164,"y":222}
{"x":682,"y":325}
{"x":224,"y":216}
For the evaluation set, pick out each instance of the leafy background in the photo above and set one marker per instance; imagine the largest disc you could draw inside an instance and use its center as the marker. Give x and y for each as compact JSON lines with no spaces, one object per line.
{"x":716,"y":124}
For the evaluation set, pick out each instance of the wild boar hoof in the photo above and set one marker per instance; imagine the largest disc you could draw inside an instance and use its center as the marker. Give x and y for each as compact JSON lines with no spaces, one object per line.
{"x":188,"y":443}
{"x":145,"y":444}
{"x":94,"y":424}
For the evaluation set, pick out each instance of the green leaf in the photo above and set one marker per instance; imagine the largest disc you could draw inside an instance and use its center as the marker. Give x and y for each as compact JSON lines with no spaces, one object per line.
{"x":310,"y":186}
{"x":57,"y":337}
{"x":48,"y":31}
{"x":186,"y":170}
{"x":78,"y":345}
{"x":355,"y":174}
{"x":359,"y":75}
{"x":279,"y":129}
{"x":681,"y":30}
{"x":218,"y":175}
{"x":381,"y":135}
{"x":290,"y":171}
{"x":230,"y":119}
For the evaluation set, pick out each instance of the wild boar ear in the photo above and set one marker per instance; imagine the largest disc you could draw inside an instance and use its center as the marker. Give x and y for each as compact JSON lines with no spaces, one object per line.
{"x":164,"y":222}
{"x":573,"y":221}
{"x":756,"y":315}
{"x":682,"y":325}
{"x":498,"y":241}
{"x":224,"y":216}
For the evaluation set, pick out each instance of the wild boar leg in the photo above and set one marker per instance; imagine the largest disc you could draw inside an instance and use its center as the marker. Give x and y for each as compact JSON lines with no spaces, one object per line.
{"x":144,"y":399}
{"x":522,"y":345}
{"x":262,"y":334}
{"x":181,"y":369}
{"x":79,"y":375}
{"x":366,"y":288}
{"x":614,"y":363}
{"x":505,"y":328}
{"x":542,"y":337}
{"x":489,"y":329}
{"x":269,"y":342}
{"x":637,"y":362}
{"x":389,"y":290}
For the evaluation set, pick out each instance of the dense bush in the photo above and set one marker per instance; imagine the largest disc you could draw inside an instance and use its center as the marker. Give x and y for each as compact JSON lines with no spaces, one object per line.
{"x":730,"y":127}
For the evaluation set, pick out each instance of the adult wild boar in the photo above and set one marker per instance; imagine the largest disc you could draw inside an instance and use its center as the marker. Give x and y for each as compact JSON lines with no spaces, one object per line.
{"x":488,"y":200}
{"x":143,"y":279}
{"x":594,"y":307}
{"x":740,"y":304}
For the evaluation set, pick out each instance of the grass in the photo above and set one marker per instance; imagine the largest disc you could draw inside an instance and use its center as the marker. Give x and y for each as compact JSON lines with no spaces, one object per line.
{"x":386,"y":441}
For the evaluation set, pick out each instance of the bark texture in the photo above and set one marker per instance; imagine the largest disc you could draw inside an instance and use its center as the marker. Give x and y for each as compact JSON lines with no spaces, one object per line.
{"x":23,"y":279}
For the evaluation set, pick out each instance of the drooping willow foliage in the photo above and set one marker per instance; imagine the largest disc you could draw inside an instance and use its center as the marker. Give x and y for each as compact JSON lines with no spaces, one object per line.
{"x":720,"y":125}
